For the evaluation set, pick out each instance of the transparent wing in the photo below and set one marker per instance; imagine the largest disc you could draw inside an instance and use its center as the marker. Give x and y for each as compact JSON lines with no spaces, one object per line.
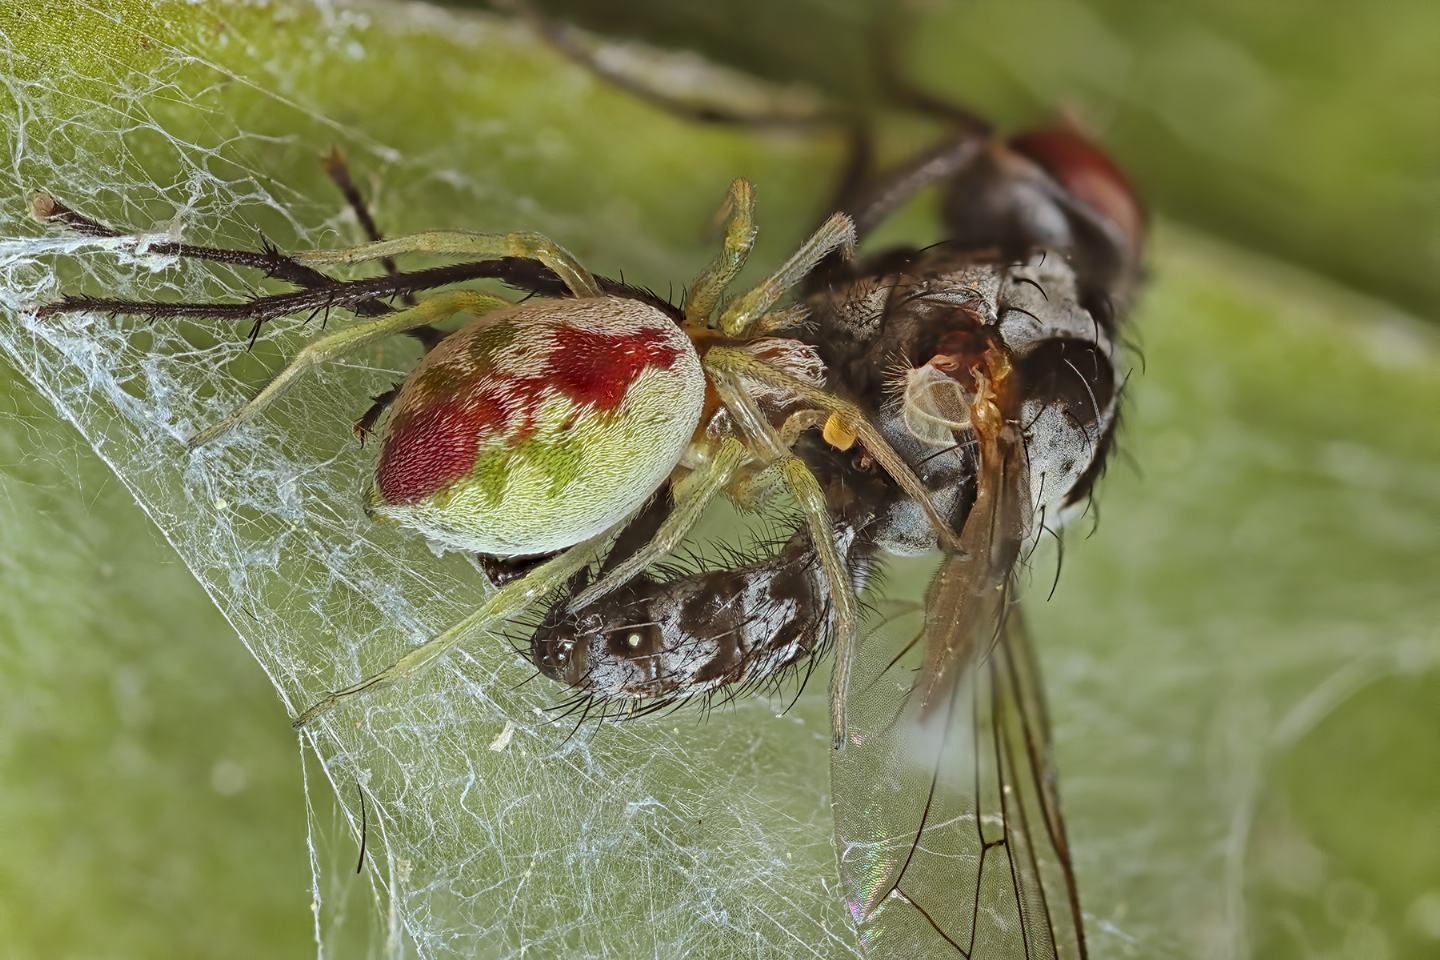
{"x":946,"y":809}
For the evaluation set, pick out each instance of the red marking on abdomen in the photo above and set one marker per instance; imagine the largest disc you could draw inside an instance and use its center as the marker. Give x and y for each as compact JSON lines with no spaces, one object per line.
{"x":434,"y":446}
{"x":597,"y":369}
{"x":431,"y":447}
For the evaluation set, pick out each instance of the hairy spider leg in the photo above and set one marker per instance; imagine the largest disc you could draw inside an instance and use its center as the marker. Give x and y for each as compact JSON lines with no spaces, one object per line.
{"x":705,"y":293}
{"x":335,"y":345}
{"x":504,"y":604}
{"x":836,"y":234}
{"x":810,"y":497}
{"x":778,"y":321}
{"x":752,"y":489}
{"x":468,"y":243}
{"x":851,"y":422}
{"x":696,"y":494}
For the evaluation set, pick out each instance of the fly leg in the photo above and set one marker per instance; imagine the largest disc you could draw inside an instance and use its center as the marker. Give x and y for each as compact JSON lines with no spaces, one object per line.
{"x":878,"y":199}
{"x":338,"y":170}
{"x":468,"y":243}
{"x":728,"y":96}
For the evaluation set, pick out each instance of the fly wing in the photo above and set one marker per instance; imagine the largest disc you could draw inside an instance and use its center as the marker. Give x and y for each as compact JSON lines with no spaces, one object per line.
{"x":946,"y":811}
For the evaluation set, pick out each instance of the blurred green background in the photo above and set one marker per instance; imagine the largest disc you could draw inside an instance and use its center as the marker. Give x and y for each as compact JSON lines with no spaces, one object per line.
{"x":1246,"y":648}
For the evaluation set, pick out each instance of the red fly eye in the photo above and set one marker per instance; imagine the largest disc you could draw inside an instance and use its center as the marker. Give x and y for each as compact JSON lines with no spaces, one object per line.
{"x":1088,"y":174}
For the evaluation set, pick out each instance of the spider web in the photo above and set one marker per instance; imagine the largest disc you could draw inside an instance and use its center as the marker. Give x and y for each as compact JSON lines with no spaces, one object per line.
{"x":492,"y":829}
{"x":493,"y":832}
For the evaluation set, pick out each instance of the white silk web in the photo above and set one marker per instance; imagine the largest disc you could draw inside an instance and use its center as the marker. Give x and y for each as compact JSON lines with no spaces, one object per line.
{"x":493,"y":832}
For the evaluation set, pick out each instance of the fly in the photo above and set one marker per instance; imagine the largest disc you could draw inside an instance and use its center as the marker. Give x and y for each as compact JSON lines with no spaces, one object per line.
{"x":990,"y":363}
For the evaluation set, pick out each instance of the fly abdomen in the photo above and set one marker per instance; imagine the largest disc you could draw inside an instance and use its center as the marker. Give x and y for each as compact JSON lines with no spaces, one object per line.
{"x":697,"y":634}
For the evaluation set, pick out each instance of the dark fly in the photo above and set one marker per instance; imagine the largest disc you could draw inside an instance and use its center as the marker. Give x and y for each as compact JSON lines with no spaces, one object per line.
{"x":990,"y":363}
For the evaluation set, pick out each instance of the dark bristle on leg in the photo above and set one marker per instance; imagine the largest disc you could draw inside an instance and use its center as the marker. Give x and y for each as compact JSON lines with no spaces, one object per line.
{"x":521,"y":273}
{"x":338,"y":170}
{"x":47,"y":209}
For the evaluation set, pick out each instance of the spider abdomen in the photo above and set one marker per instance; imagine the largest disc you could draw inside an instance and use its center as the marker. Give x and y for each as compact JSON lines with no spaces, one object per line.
{"x":537,"y":427}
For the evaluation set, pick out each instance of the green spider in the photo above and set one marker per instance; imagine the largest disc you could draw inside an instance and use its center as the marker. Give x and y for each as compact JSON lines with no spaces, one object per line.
{"x":542,"y":427}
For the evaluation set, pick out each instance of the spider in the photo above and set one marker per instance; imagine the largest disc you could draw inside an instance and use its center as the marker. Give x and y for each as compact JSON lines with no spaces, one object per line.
{"x":542,"y":427}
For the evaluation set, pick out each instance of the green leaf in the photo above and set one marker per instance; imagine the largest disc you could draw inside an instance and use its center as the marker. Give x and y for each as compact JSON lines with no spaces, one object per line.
{"x":1241,"y":660}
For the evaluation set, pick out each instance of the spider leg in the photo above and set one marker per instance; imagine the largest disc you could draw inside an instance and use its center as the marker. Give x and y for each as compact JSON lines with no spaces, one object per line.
{"x":810,"y":497}
{"x":504,"y":604}
{"x":806,"y":490}
{"x":778,"y":322}
{"x":521,"y":273}
{"x":739,"y":239}
{"x":846,"y":423}
{"x":750,"y":491}
{"x":689,"y":507}
{"x":836,"y":233}
{"x":467,"y":243}
{"x":338,"y":344}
